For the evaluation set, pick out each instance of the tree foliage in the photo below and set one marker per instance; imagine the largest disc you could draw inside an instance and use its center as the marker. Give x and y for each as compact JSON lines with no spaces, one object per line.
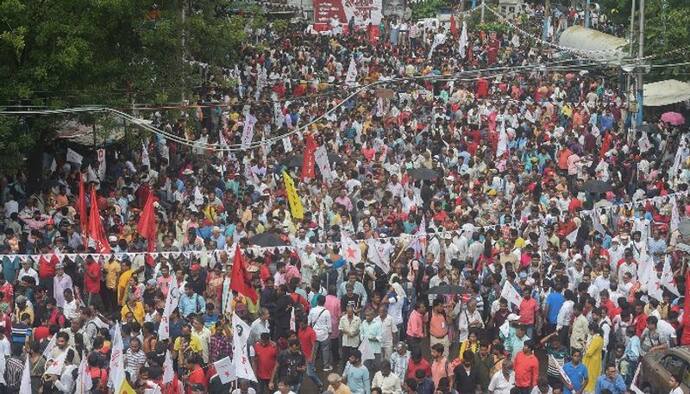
{"x":64,"y":53}
{"x":667,"y":32}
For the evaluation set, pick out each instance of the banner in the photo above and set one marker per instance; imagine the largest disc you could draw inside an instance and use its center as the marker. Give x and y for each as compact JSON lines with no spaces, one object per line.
{"x":117,"y":361}
{"x":74,"y":157}
{"x":363,"y":11}
{"x":296,"y":208}
{"x":351,"y":77}
{"x":225,"y":370}
{"x":240,"y":356}
{"x":170,"y":305}
{"x":510,"y":294}
{"x":308,"y":171}
{"x":321,"y":158}
{"x":248,"y":131}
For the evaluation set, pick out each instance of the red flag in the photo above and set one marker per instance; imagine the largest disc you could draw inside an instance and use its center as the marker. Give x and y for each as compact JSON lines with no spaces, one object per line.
{"x":453,"y":27}
{"x":308,"y":162}
{"x":240,"y":281}
{"x":147,"y":227}
{"x":147,"y":221}
{"x":685,"y":338}
{"x":96,"y":227}
{"x":81,"y":208}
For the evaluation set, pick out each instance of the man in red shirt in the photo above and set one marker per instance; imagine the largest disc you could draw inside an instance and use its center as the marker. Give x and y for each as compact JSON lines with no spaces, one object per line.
{"x":264,"y":361}
{"x":526,"y":368}
{"x":307,"y":341}
{"x":417,"y":363}
{"x":92,"y":283}
{"x":46,"y":270}
{"x":528,"y":311}
{"x":197,"y":376}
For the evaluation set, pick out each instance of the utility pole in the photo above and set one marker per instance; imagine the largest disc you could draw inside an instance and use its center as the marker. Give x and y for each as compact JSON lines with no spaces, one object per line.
{"x":184,"y":52}
{"x":483,"y":6}
{"x":632,"y":27}
{"x":587,"y":14}
{"x":640,"y":68}
{"x":547,"y":20}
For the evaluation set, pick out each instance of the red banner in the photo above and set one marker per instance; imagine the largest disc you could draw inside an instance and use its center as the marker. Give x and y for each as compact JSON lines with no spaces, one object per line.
{"x":309,"y":161}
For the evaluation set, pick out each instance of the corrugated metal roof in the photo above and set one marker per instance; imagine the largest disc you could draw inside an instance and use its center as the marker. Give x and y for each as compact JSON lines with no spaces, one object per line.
{"x":666,"y":92}
{"x":593,"y":43}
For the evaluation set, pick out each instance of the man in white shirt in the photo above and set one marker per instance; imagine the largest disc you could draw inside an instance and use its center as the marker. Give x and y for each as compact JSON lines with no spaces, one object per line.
{"x":389,"y":331}
{"x":504,"y":380}
{"x":320,"y":320}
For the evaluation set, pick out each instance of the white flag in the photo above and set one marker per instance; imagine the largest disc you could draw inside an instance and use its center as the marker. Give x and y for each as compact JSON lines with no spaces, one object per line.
{"x":510,"y":294}
{"x":675,"y":215}
{"x":287,"y":144}
{"x":117,"y":361}
{"x":596,"y":223}
{"x":49,"y":348}
{"x":462,"y":48}
{"x":145,"y":155}
{"x":502,"y":146}
{"x":248,"y":131}
{"x":365,"y":349}
{"x":53,"y":166}
{"x":74,"y":157}
{"x":321,"y":159}
{"x":54,"y":366}
{"x":633,"y":385}
{"x":553,"y":362}
{"x":379,"y":253}
{"x":25,"y":386}
{"x":170,"y":305}
{"x":351,"y":78}
{"x":351,"y":250}
{"x":240,"y":355}
{"x":168,"y":373}
{"x":225,"y":370}
{"x":84,"y":382}
{"x":100,"y":154}
{"x":572,"y":237}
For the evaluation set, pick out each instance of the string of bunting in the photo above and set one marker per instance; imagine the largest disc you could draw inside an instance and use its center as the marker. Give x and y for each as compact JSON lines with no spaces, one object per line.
{"x":320,"y":246}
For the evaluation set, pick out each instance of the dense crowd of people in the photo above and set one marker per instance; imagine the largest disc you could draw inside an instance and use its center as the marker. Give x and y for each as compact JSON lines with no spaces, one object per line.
{"x":488,"y":221}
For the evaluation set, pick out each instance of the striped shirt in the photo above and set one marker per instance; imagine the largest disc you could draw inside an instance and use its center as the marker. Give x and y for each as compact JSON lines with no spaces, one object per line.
{"x":20,"y":333}
{"x":134,"y":362}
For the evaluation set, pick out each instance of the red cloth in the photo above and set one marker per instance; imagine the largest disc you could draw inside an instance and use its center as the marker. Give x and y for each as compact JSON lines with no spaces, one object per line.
{"x":453,"y":27}
{"x":526,"y":370}
{"x":240,"y":281}
{"x":265,"y":359}
{"x":196,"y":377}
{"x":40,"y":333}
{"x":81,"y":209}
{"x":307,"y":339}
{"x":147,"y":227}
{"x":413,"y":367}
{"x":308,"y":168}
{"x":46,"y":268}
{"x":92,"y":279}
{"x":640,"y":323}
{"x":482,"y":88}
{"x":96,"y":231}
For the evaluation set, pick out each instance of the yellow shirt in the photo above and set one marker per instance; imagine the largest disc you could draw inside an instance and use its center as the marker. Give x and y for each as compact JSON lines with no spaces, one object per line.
{"x":137,"y":310}
{"x":194,"y":345}
{"x":112,"y":269}
{"x":122,"y":286}
{"x":29,"y":310}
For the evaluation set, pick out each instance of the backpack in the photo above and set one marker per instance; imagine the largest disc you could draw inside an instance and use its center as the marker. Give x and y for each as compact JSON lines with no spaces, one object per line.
{"x":100,"y":381}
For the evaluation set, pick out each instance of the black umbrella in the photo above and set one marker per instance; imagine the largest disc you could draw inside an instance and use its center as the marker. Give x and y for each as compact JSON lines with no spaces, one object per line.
{"x":597,"y":186}
{"x":446,"y":289}
{"x":297,"y":160}
{"x":267,"y":239}
{"x":424,"y":173}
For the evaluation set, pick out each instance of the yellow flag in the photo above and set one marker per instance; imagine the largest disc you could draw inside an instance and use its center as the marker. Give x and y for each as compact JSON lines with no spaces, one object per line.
{"x":296,"y":208}
{"x":126,"y":388}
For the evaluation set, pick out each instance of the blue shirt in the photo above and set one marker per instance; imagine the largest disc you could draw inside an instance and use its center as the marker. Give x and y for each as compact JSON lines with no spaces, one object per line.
{"x":555,"y":302}
{"x":577,"y":375}
{"x":357,"y":379}
{"x":617,"y":386}
{"x":194,"y":304}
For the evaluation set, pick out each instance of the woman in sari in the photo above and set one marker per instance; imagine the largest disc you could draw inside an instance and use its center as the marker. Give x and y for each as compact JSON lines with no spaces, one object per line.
{"x":592,"y":356}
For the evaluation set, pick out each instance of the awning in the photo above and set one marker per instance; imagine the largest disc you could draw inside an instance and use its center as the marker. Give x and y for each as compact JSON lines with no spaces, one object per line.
{"x":666,"y":92}
{"x":593,"y":44}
